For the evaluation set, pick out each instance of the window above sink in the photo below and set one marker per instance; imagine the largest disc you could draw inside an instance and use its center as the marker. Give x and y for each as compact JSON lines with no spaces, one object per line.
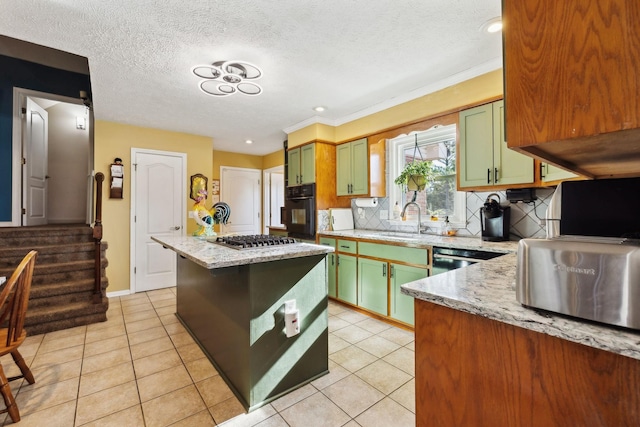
{"x":440,"y":198}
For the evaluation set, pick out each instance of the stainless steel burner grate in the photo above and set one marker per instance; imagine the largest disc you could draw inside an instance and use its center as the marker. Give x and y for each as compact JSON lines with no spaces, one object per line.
{"x":254,"y":241}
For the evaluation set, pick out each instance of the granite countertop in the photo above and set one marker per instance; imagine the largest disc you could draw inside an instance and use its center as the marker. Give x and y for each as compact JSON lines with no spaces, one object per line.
{"x":488,"y":289}
{"x":418,"y":240}
{"x":212,"y":255}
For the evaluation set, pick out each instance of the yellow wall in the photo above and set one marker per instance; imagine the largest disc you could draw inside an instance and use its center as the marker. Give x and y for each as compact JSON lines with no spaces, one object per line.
{"x":272,"y":160}
{"x":236,"y":160}
{"x":116,"y":140}
{"x":462,"y":94}
{"x":311,"y":133}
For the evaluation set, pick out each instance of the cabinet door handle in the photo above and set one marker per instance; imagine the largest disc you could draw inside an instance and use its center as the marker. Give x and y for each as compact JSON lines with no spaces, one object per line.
{"x":300,"y":178}
{"x":495,"y":175}
{"x":344,"y":247}
{"x":541,"y":171}
{"x":391,"y":271}
{"x":332,"y":258}
{"x":488,"y":175}
{"x":384,"y":270}
{"x":337,"y":261}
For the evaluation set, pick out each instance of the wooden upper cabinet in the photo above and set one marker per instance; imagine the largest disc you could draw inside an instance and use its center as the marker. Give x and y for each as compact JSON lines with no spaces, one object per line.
{"x":572,"y":83}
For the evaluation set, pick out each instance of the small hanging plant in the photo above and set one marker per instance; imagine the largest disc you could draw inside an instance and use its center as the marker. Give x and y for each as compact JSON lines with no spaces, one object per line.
{"x":415,"y":175}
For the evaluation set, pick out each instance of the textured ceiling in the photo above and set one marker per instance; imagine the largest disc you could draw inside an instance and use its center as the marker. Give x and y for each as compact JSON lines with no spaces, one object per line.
{"x":354,"y":57}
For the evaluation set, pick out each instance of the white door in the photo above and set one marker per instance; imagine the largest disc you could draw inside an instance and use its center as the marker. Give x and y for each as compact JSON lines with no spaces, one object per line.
{"x":276,"y":199}
{"x":34,"y":170}
{"x":240,"y":189}
{"x":158,"y":210}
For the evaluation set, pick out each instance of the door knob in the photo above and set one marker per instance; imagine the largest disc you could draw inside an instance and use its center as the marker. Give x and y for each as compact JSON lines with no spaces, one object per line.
{"x":177,"y":227}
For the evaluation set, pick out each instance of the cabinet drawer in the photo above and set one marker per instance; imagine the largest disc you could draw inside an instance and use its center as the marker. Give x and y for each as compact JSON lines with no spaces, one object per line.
{"x":348,"y":246}
{"x":418,"y":256}
{"x":326,"y":241}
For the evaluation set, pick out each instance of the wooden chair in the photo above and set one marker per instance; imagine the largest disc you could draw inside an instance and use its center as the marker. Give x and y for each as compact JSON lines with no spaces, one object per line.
{"x":14,"y":298}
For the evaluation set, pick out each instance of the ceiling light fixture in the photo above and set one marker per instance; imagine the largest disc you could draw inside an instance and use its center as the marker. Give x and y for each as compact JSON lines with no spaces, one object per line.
{"x":319,"y":109}
{"x":493,"y":25}
{"x":224,"y":78}
{"x":248,"y":141}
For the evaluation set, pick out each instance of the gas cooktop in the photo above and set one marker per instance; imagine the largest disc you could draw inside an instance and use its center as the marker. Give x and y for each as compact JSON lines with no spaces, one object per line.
{"x":254,"y":241}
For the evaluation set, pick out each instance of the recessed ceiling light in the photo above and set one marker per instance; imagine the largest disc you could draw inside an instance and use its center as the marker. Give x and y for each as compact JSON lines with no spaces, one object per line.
{"x":248,"y":141}
{"x":319,"y":109}
{"x":493,"y":25}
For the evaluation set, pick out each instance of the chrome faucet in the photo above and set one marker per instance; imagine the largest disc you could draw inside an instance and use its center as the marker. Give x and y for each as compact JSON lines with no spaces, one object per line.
{"x":404,"y":209}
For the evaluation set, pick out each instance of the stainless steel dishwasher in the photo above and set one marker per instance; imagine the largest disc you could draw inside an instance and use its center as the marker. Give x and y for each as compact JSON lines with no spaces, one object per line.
{"x":447,"y":259}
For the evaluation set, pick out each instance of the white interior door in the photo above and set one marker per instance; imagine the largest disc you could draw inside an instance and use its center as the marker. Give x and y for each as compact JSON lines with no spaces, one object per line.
{"x":240,"y":189}
{"x":276,"y":199}
{"x":159,"y":208}
{"x":35,"y":153}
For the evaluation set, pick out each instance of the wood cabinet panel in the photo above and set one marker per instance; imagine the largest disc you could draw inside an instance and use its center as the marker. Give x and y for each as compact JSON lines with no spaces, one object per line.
{"x":572,"y":83}
{"x":471,"y":370}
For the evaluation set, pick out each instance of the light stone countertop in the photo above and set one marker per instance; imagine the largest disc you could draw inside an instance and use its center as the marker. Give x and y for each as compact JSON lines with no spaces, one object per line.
{"x":417,"y":240}
{"x":488,"y":289}
{"x":212,"y":255}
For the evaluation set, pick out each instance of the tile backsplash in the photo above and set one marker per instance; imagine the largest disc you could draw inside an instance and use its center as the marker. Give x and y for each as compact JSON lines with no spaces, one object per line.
{"x":525,"y":218}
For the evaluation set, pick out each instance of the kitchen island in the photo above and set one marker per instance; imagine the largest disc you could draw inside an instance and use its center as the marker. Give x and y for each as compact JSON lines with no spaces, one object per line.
{"x":483,"y":359}
{"x":232,"y":302}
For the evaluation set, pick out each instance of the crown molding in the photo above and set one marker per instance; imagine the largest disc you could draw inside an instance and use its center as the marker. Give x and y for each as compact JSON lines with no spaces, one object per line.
{"x":460,"y":77}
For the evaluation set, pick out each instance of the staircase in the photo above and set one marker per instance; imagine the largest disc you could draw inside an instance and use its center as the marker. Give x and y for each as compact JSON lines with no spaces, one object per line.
{"x":63,"y":278}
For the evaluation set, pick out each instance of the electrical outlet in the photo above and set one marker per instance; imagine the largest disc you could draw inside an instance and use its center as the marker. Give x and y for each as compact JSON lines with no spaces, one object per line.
{"x":384,"y":214}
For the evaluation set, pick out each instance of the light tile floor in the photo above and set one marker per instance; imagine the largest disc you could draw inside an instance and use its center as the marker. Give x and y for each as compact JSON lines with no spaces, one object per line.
{"x":141,"y":368}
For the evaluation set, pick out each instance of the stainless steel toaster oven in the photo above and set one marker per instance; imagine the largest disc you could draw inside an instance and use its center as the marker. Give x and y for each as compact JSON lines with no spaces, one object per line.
{"x":587,"y":277}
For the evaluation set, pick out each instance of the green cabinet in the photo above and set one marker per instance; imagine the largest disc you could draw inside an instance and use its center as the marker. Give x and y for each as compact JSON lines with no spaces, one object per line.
{"x":370,"y":275}
{"x":347,"y":275}
{"x":293,"y":166}
{"x":332,"y":262}
{"x":485,"y":159}
{"x":401,"y":306}
{"x":301,"y":168}
{"x":352,"y":168}
{"x":549,"y":173}
{"x":372,"y":285}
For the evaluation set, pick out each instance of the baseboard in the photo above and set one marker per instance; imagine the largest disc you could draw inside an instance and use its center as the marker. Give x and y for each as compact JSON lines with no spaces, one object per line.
{"x":119,"y":293}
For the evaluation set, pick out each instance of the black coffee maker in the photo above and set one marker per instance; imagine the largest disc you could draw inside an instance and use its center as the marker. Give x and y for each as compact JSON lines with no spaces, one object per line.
{"x":494,"y":219}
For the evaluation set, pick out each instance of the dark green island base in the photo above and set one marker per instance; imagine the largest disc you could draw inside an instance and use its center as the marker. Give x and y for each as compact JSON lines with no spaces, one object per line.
{"x":236,"y":315}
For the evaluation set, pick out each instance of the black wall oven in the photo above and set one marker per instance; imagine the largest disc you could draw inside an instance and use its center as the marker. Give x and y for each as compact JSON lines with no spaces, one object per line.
{"x":300,"y":211}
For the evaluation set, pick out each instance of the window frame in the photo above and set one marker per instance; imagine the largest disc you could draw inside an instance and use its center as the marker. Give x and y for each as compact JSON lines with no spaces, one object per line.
{"x":397,"y":146}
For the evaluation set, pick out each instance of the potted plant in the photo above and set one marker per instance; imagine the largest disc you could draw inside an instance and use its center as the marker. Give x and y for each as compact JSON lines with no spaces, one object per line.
{"x":415,"y":175}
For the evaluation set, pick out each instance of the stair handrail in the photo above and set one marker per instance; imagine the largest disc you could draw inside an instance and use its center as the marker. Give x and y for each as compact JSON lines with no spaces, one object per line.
{"x":97,"y":237}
